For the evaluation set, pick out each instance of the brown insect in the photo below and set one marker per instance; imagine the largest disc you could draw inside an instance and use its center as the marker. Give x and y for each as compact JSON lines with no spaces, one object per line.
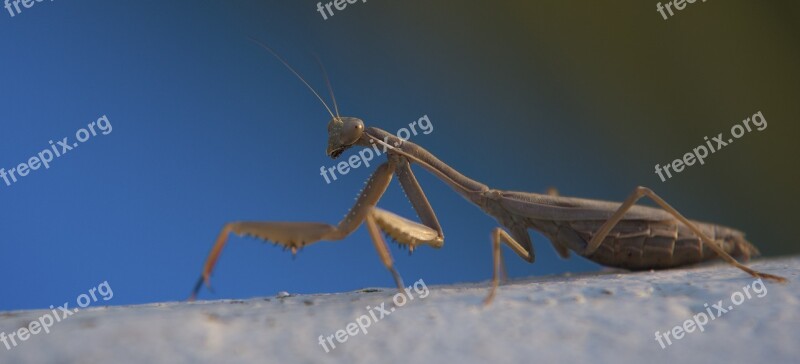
{"x":614,"y":234}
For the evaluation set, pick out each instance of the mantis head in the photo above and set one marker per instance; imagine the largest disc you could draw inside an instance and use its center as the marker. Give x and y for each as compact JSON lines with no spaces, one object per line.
{"x":343,"y":133}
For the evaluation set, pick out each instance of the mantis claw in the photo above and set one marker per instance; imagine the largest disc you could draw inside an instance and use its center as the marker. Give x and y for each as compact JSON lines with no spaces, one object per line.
{"x":196,"y":289}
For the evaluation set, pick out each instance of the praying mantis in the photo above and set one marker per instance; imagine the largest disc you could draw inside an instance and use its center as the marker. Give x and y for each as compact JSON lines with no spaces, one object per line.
{"x":622,"y":235}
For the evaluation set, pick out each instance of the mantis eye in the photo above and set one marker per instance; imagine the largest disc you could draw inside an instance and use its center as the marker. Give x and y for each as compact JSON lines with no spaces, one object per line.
{"x":353,"y":128}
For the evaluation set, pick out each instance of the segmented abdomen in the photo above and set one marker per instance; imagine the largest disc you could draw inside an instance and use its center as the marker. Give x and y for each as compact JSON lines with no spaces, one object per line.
{"x":637,"y":245}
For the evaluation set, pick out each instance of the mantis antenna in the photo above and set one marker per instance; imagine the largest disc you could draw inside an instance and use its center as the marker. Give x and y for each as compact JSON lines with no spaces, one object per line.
{"x":296,"y":74}
{"x":328,"y":82}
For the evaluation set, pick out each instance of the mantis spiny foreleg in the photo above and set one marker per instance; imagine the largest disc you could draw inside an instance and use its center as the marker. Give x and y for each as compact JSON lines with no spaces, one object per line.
{"x":295,"y":235}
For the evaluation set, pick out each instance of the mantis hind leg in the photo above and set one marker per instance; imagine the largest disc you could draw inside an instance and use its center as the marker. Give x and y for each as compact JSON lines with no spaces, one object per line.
{"x":640,"y":192}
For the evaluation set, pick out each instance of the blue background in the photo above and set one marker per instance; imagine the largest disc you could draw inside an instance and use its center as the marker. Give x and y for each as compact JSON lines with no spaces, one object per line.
{"x":209,"y":128}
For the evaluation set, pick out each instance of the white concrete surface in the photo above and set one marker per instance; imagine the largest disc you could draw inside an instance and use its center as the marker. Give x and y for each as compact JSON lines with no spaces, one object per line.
{"x":592,"y":318}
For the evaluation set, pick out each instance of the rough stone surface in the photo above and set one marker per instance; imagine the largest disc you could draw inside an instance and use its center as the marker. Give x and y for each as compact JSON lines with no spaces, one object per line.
{"x":591,"y":318}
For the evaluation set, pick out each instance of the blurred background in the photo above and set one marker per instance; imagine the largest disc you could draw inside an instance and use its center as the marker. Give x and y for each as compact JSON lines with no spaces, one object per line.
{"x":208,"y":128}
